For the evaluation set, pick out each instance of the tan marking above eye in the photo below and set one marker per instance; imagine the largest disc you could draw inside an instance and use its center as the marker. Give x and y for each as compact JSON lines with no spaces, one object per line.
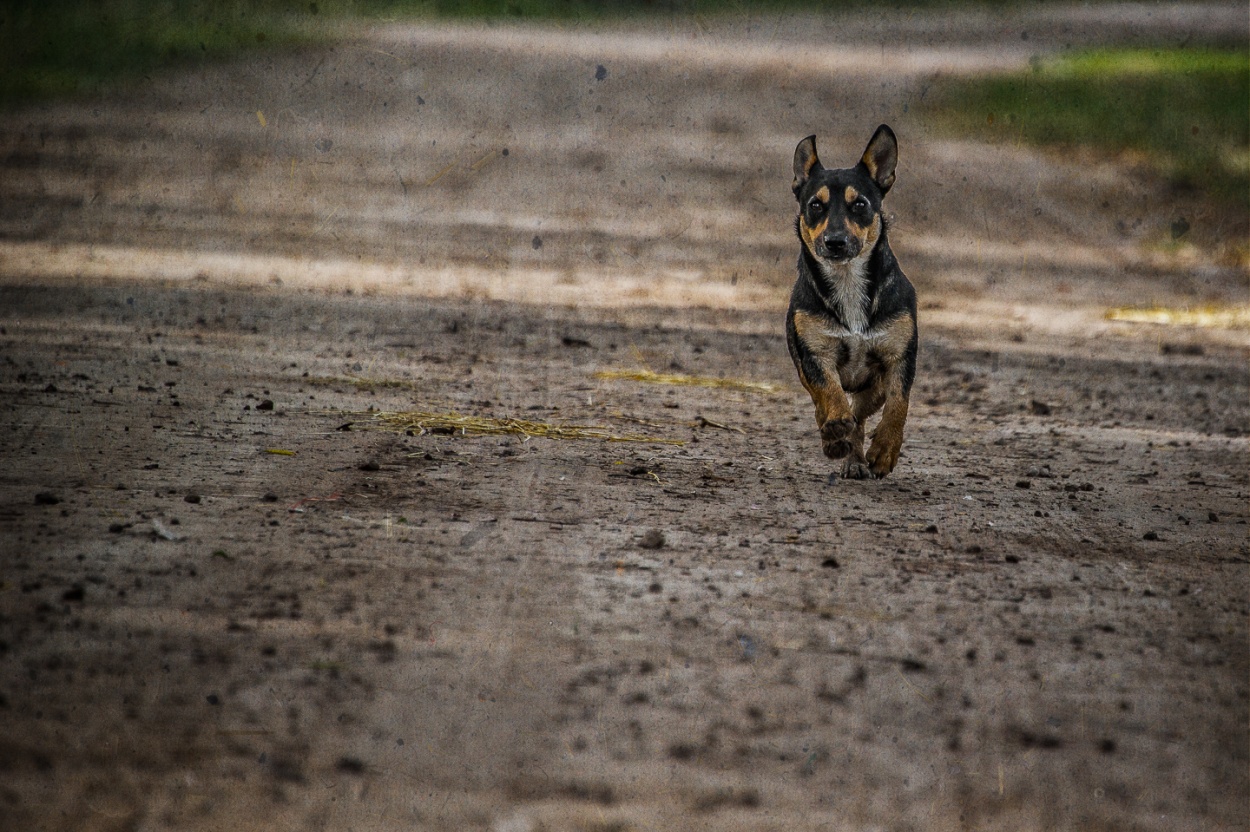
{"x":823,"y":194}
{"x":851,"y":194}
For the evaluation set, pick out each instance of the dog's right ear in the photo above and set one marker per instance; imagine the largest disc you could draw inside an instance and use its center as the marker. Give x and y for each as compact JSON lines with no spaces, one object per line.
{"x":805,"y":162}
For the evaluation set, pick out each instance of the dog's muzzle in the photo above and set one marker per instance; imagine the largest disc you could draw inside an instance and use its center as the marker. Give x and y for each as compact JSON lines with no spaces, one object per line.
{"x":838,"y":247}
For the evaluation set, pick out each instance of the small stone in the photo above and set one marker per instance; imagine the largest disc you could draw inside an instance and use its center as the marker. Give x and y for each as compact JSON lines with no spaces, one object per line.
{"x":1150,"y":536}
{"x":653,"y":539}
{"x":46,"y":498}
{"x":267,"y":404}
{"x":194,"y":499}
{"x":350,"y":765}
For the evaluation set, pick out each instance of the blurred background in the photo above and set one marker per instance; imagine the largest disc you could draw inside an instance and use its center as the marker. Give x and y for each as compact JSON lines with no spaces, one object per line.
{"x":1095,"y":151}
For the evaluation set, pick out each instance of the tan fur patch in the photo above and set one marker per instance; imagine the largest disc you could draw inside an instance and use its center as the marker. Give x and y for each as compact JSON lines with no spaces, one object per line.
{"x":810,"y":234}
{"x":867,"y":234}
{"x":851,"y":194}
{"x":887,"y":441}
{"x":829,"y":398}
{"x":896,"y":338}
{"x":811,"y":162}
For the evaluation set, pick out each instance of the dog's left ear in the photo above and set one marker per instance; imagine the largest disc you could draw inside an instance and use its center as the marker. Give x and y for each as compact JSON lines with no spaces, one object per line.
{"x":881,"y":157}
{"x":805,"y":161}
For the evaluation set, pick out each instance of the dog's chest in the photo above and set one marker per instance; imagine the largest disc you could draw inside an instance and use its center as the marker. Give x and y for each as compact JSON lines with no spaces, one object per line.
{"x":846,"y":293}
{"x":858,"y":362}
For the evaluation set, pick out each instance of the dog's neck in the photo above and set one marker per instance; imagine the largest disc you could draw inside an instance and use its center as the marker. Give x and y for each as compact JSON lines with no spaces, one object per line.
{"x":846,"y":290}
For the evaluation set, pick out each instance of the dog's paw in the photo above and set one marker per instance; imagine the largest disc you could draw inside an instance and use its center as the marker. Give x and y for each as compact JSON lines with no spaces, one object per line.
{"x":834,"y":430}
{"x":882,"y":460}
{"x":835,"y":437}
{"x":835,"y":449}
{"x":857,"y":469}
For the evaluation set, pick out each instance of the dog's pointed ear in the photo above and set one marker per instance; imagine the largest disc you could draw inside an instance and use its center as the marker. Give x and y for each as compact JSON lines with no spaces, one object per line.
{"x":881,"y":157}
{"x":805,"y":162}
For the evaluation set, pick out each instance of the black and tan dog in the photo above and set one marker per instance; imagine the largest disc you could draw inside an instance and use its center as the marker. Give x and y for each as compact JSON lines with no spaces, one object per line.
{"x":851,"y":327}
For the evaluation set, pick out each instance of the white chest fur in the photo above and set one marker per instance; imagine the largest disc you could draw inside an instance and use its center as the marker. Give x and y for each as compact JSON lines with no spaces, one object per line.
{"x":846,"y":289}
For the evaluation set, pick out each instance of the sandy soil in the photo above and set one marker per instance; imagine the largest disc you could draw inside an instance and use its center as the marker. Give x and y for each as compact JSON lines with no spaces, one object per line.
{"x":226,"y":602}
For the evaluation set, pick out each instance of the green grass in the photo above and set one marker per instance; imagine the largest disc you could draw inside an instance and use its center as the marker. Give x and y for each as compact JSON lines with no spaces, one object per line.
{"x":52,"y":49}
{"x":1186,"y":112}
{"x":55,"y":48}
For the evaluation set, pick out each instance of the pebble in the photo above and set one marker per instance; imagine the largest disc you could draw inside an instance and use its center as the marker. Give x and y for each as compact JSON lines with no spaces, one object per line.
{"x":653,"y":539}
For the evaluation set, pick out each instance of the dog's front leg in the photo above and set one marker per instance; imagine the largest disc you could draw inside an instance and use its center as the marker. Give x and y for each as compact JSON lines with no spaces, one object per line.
{"x":815,"y":352}
{"x":887,"y":439}
{"x":841,"y":434}
{"x":897,"y":350}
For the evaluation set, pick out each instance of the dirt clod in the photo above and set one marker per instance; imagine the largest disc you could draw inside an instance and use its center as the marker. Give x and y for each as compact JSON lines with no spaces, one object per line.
{"x":652,"y":539}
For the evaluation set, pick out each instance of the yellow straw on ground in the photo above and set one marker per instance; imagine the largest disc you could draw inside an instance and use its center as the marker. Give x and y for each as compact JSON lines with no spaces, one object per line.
{"x":422,"y":422}
{"x":689,"y":381}
{"x":1213,"y":317}
{"x":360,"y":383}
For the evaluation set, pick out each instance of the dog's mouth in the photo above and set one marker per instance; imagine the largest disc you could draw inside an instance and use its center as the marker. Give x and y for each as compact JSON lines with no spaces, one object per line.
{"x":838,"y":252}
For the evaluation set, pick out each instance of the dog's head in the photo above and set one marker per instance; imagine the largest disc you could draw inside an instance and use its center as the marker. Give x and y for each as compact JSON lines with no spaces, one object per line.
{"x":840,"y":209}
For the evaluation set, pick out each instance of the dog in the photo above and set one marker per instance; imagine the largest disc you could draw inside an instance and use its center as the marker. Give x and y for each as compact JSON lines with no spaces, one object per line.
{"x":851,"y":327}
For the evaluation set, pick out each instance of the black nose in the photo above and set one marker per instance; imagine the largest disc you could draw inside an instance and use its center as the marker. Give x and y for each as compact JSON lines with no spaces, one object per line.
{"x":838,"y":245}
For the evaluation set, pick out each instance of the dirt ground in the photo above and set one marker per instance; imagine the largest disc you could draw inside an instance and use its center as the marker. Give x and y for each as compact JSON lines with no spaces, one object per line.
{"x":227,"y":603}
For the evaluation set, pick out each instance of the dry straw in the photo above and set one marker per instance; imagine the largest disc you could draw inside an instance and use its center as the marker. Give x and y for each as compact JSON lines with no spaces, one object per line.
{"x":1214,"y":317}
{"x":360,"y":383}
{"x":419,"y":422}
{"x":689,"y":381}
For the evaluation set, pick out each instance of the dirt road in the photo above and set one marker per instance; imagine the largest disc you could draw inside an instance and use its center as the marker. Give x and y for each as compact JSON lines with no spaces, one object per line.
{"x":228,"y":601}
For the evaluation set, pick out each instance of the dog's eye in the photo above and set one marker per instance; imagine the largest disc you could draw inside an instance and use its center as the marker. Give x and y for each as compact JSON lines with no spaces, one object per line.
{"x":815,"y":205}
{"x":860,"y":205}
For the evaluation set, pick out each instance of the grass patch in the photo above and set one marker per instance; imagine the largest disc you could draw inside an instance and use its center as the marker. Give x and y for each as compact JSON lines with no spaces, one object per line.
{"x":617,"y":9}
{"x":1182,"y":110}
{"x":73,"y":47}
